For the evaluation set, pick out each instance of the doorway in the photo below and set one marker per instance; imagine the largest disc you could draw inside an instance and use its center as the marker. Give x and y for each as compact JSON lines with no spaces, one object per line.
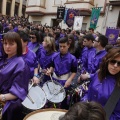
{"x":55,"y":22}
{"x":118,"y":23}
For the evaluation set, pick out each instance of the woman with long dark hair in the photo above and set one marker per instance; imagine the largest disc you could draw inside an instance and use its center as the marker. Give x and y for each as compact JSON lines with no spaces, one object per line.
{"x":14,"y":77}
{"x":104,"y":81}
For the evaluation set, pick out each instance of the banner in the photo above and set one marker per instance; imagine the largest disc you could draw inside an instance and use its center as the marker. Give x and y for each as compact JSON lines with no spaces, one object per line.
{"x":71,"y":13}
{"x":94,"y":17}
{"x":60,"y":13}
{"x":78,"y":22}
{"x":66,"y":10}
{"x":112,"y":35}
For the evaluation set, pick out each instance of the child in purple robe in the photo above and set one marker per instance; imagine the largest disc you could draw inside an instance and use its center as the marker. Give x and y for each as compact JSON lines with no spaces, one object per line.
{"x":104,"y":81}
{"x":14,"y":77}
{"x":89,"y":53}
{"x":35,"y":41}
{"x":64,"y":66}
{"x":99,"y":43}
{"x":45,"y":56}
{"x":29,"y":56}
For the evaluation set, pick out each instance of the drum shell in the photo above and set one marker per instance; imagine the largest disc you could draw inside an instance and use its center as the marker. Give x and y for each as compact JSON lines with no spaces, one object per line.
{"x":38,"y":96}
{"x":51,"y":95}
{"x":49,"y":113}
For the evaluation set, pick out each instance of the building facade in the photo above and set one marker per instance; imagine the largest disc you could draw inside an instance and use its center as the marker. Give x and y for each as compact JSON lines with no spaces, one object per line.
{"x":12,"y":7}
{"x":45,"y":12}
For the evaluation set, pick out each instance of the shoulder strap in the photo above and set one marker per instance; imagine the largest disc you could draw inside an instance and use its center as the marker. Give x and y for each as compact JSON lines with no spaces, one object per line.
{"x":36,"y":48}
{"x":112,"y":101}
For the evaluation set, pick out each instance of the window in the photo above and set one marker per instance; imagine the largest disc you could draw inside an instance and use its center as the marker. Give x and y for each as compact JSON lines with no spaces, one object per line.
{"x":37,"y":22}
{"x":37,"y":3}
{"x":57,"y":2}
{"x":42,"y":3}
{"x":33,"y":2}
{"x":92,"y":1}
{"x":118,"y":24}
{"x":0,"y":6}
{"x":8,"y":8}
{"x":16,"y":8}
{"x":84,"y":26}
{"x":23,"y":11}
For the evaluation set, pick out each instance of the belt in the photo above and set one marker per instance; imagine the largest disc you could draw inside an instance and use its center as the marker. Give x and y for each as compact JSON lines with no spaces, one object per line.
{"x":62,"y":77}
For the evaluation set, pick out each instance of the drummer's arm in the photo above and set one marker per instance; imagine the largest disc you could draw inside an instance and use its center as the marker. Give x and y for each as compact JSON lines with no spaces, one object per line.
{"x":36,"y":76}
{"x":6,"y":97}
{"x":71,"y":77}
{"x":73,"y":73}
{"x":69,"y":80}
{"x":49,"y":71}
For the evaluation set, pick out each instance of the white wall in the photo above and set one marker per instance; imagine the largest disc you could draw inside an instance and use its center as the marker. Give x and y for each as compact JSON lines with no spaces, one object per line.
{"x":109,"y":19}
{"x":45,"y":19}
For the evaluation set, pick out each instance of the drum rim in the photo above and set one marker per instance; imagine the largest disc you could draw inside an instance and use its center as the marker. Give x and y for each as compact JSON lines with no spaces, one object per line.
{"x":43,"y":110}
{"x":44,"y":100}
{"x":58,"y":84}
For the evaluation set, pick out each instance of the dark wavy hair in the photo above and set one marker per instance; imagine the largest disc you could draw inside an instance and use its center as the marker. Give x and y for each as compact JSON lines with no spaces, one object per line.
{"x":35,"y":32}
{"x":111,"y":55}
{"x":85,"y":111}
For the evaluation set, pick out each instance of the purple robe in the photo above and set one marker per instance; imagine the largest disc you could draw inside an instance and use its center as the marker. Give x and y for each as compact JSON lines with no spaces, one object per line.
{"x":64,"y":64}
{"x":97,"y":60}
{"x":14,"y":79}
{"x":45,"y":61}
{"x":1,"y":53}
{"x":101,"y":91}
{"x":87,"y":59}
{"x":34,"y":46}
{"x":31,"y":60}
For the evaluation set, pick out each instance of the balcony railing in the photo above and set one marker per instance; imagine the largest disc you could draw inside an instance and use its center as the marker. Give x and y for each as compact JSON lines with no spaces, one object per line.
{"x":115,"y":2}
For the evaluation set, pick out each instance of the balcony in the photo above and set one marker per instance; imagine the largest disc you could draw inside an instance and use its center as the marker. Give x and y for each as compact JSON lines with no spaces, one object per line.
{"x":83,"y":5}
{"x":36,"y":7}
{"x":114,"y":2}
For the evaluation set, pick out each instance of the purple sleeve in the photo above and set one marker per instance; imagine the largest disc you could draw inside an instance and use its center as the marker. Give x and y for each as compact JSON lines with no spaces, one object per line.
{"x":20,"y":84}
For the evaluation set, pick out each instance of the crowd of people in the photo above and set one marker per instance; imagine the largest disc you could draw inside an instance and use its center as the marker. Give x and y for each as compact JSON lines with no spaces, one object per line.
{"x":29,"y":50}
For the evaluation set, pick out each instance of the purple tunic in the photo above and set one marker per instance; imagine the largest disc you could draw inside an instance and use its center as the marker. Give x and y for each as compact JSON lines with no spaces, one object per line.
{"x":45,"y":61}
{"x":64,"y":64}
{"x":31,"y":60}
{"x":97,"y":60}
{"x":101,"y":91}
{"x":0,"y":49}
{"x":87,"y":59}
{"x":14,"y":79}
{"x":34,"y":47}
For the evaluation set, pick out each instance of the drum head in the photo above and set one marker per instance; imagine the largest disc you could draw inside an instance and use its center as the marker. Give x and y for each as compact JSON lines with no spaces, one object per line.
{"x":55,"y":92}
{"x":35,"y":99}
{"x":45,"y":114}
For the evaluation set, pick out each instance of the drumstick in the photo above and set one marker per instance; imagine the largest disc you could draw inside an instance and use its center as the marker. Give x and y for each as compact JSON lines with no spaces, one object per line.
{"x":30,"y":99}
{"x":31,"y":86}
{"x":51,"y":78}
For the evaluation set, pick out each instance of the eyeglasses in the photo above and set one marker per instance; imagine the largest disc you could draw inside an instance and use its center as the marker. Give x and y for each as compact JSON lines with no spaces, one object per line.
{"x":31,"y":37}
{"x":113,"y":62}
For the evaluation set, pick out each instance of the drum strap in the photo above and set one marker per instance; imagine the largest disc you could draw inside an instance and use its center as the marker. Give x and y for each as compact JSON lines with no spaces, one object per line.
{"x":112,"y":101}
{"x":36,"y":48}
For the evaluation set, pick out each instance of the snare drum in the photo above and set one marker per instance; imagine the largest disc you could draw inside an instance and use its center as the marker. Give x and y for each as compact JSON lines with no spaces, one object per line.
{"x":35,"y":99}
{"x":45,"y":114}
{"x":55,"y":92}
